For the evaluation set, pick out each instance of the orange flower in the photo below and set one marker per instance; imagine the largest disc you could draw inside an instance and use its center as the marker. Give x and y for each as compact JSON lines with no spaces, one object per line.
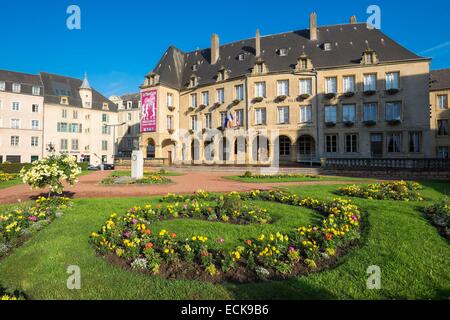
{"x":148,"y":231}
{"x":173,"y":235}
{"x":329,"y":236}
{"x":248,"y":242}
{"x":149,"y":245}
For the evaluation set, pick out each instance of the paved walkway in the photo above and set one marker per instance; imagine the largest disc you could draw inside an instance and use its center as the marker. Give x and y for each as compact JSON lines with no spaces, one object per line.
{"x":89,"y":187}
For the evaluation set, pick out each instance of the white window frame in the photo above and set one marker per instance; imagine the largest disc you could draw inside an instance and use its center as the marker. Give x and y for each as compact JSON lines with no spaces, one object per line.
{"x":393,"y":80}
{"x":16,"y":87}
{"x":283,"y":115}
{"x":370,"y":82}
{"x":348,"y":84}
{"x":260,"y":89}
{"x":373,"y":106}
{"x":35,"y":141}
{"x":346,"y":107}
{"x":442,"y":101}
{"x":260,"y":116}
{"x":205,"y":98}
{"x":169,"y":100}
{"x":331,"y":85}
{"x":398,"y":106}
{"x":330,"y":107}
{"x":193,"y":100}
{"x":283,"y":88}
{"x":305,"y":86}
{"x":15,"y":123}
{"x":305,"y":114}
{"x":14,"y":104}
{"x":14,"y":141}
{"x":36,"y":91}
{"x":208,"y":120}
{"x":33,"y":127}
{"x":239,"y":92}
{"x":220,"y":95}
{"x":2,"y":85}
{"x":194,"y":124}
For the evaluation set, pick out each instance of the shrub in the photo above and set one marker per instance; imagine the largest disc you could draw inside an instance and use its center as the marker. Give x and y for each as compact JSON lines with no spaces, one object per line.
{"x":439,"y":214}
{"x":396,"y":190}
{"x":83,"y":165}
{"x":8,"y":167}
{"x":247,"y":174}
{"x":4,"y":177}
{"x":52,"y":172}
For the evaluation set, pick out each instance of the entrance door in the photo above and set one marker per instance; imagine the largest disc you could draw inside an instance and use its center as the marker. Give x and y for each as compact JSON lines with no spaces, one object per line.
{"x":376,"y":144}
{"x":169,"y":154}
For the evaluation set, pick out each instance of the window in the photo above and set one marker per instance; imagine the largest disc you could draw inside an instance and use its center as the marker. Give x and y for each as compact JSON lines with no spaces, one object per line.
{"x":331,"y":85}
{"x":392,"y":80}
{"x":104,"y":145}
{"x":35,"y":124}
{"x":76,"y":128}
{"x":327,"y":46}
{"x":330,"y":114}
{"x":205,"y":98}
{"x":64,"y":144}
{"x":442,"y":127}
{"x":415,"y":142}
{"x":370,"y":111}
{"x":221,"y":75}
{"x":283,"y":87}
{"x":305,"y":115}
{"x":260,"y":90}
{"x":75,"y":114}
{"x":15,"y":106}
{"x":351,"y":143}
{"x":283,"y":115}
{"x":223,"y":117}
{"x":194,"y":123}
{"x":35,"y":141}
{"x":259,"y":68}
{"x":105,"y":117}
{"x":65,"y":101}
{"x":36,"y":91}
{"x":370,"y":82}
{"x":16,"y":87}
{"x":331,"y":143}
{"x":394,"y":140}
{"x":170,"y":100}
{"x":74,"y":144}
{"x":283,"y":52}
{"x":220,"y":95}
{"x":208,"y":121}
{"x":303,"y":64}
{"x":442,"y":101}
{"x":129,"y":116}
{"x":393,"y":111}
{"x":349,"y":113}
{"x":64,"y":113}
{"x":62,"y":127}
{"x":368,"y":58}
{"x":260,"y":116}
{"x":443,"y":152}
{"x":241,"y":57}
{"x":239,"y":92}
{"x":2,"y":85}
{"x":194,"y":100}
{"x":349,"y":84}
{"x":285,"y":146}
{"x":14,"y":141}
{"x":240,"y":117}
{"x":35,"y":108}
{"x":305,"y":86}
{"x":193,"y":82}
{"x":107,"y":129}
{"x":15,"y":123}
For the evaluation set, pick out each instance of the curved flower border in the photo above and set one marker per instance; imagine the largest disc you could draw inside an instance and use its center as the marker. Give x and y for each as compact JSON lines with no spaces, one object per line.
{"x":282,"y":254}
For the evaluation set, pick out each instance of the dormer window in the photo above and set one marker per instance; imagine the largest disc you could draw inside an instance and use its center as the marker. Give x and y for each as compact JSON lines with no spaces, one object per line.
{"x":327,"y":46}
{"x":16,"y":87}
{"x":105,"y":106}
{"x":369,"y":57}
{"x":222,"y":75}
{"x":194,"y":67}
{"x":153,"y":79}
{"x":241,"y":57}
{"x":283,"y":52}
{"x":193,"y":82}
{"x":64,"y":100}
{"x":129,"y":104}
{"x":303,"y":63}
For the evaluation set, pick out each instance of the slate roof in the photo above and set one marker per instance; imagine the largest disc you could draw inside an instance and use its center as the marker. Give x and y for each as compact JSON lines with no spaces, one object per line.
{"x":133,"y":97}
{"x":440,"y":79}
{"x":348,"y":41}
{"x":56,"y":86}
{"x":27,"y":81}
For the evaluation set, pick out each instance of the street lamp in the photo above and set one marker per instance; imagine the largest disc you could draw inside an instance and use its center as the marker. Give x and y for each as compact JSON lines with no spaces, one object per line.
{"x":114,"y":126}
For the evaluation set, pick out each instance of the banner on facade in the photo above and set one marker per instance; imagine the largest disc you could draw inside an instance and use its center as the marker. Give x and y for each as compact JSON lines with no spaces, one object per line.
{"x":149,"y":105}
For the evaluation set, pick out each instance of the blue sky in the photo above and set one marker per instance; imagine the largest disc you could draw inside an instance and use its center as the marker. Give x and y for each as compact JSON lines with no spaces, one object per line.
{"x":120,"y":41}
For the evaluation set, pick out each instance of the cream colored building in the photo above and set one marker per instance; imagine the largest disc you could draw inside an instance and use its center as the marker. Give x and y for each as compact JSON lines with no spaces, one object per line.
{"x":440,"y":112}
{"x":342,"y":91}
{"x":46,"y":113}
{"x":21,"y":117}
{"x":129,"y":117}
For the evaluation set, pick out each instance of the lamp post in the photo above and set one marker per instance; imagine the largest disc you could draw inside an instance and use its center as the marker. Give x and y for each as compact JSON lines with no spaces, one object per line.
{"x":114,"y":126}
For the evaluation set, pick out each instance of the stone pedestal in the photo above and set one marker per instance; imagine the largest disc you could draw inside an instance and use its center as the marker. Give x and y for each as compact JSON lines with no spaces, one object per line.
{"x":137,"y":165}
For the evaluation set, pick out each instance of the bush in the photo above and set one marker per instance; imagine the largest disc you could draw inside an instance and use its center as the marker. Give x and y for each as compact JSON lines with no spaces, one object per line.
{"x":83,"y":165}
{"x":248,"y":174}
{"x":52,"y":172}
{"x":396,"y":190}
{"x":4,"y":177}
{"x":8,"y":167}
{"x":439,"y":214}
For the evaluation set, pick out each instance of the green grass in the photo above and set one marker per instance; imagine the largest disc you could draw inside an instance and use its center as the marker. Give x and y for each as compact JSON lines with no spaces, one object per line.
{"x":10,"y":183}
{"x":413,"y":258}
{"x":291,"y":179}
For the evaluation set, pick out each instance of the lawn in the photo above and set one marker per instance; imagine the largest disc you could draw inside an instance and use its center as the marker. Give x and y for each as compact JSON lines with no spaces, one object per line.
{"x":282,"y":179}
{"x":10,"y":183}
{"x":123,"y":173}
{"x":414,"y":259}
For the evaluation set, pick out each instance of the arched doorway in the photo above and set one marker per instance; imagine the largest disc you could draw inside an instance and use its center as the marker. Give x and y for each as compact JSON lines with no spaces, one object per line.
{"x":306,"y":146}
{"x":240,"y":149}
{"x":224,"y":149}
{"x":209,"y":150}
{"x":195,"y":150}
{"x":151,"y":150}
{"x":284,"y":146}
{"x":261,"y":149}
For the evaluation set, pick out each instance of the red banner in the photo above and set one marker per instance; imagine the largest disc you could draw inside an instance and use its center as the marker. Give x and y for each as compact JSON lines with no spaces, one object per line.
{"x":149,"y":105}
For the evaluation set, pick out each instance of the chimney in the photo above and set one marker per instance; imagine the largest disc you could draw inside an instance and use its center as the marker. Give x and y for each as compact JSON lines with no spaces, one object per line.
{"x":353,"y":20}
{"x":313,"y":27}
{"x":258,"y":44}
{"x":214,"y":48}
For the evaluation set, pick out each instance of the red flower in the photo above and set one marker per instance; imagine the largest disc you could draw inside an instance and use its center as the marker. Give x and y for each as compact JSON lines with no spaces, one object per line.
{"x":248,"y":242}
{"x":329,"y":236}
{"x":173,"y":235}
{"x":148,"y":231}
{"x":149,"y":245}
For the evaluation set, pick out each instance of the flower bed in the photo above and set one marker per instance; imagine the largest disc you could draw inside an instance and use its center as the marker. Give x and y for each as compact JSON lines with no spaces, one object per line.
{"x":439,"y":215}
{"x":18,"y":224}
{"x":397,"y":190}
{"x":8,"y":295}
{"x":129,"y":240}
{"x":249,"y":175}
{"x":123,"y":180}
{"x":4,"y":177}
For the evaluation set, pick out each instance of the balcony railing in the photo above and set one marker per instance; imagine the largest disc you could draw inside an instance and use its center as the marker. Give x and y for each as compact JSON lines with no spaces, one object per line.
{"x":387,"y":164}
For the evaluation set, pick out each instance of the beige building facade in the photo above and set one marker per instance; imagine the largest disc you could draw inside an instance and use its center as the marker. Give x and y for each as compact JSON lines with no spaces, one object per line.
{"x":344,"y":91}
{"x":440,"y":113}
